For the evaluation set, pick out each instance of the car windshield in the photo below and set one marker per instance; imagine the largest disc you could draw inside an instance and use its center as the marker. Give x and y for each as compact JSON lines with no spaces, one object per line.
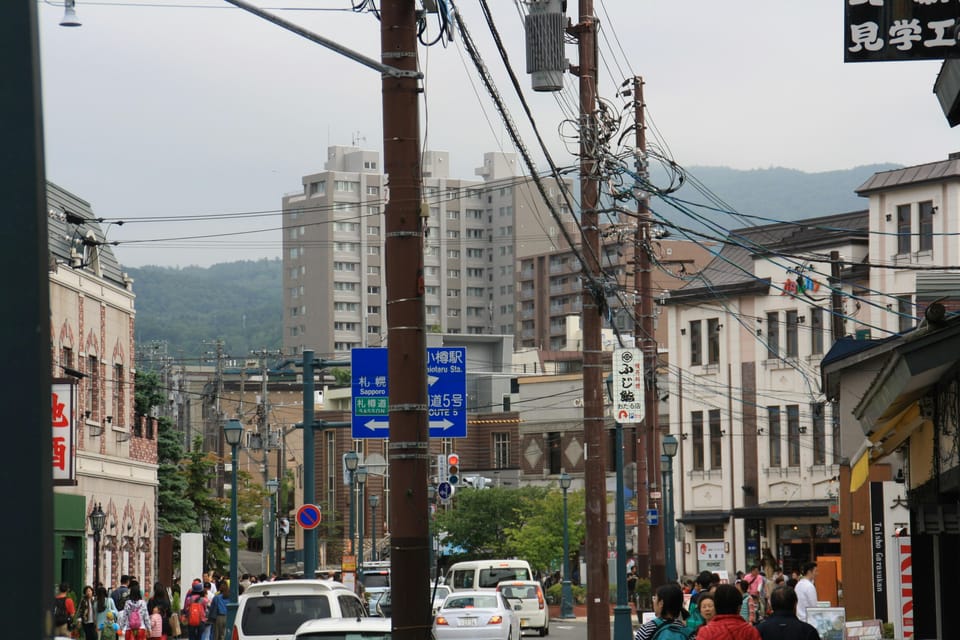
{"x":520,"y":592}
{"x":281,"y":615}
{"x":442,"y":592}
{"x":470,"y":602}
{"x":376,"y":580}
{"x":490,"y":578}
{"x":344,"y":635}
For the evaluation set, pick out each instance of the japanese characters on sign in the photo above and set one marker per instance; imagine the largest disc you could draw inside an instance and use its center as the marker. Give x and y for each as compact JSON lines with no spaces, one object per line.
{"x":628,"y":389}
{"x":63,"y":402}
{"x":876,"y":30}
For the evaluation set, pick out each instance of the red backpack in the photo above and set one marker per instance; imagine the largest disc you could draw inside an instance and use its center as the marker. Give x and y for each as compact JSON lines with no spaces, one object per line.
{"x":196,"y":612}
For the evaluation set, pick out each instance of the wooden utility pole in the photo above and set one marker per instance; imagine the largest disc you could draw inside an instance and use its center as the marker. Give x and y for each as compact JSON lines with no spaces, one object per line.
{"x":598,"y":586}
{"x":648,"y":451}
{"x":641,"y":312}
{"x":406,"y":331}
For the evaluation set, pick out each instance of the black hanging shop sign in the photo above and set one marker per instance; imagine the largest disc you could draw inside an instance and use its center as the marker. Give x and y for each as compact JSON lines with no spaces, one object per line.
{"x":879,"y":30}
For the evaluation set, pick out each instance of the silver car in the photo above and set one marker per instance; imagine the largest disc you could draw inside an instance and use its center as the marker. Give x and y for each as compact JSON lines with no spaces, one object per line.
{"x":476,"y":615}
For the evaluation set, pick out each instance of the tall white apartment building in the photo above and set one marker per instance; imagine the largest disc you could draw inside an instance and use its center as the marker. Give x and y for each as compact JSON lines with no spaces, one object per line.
{"x":333,"y":249}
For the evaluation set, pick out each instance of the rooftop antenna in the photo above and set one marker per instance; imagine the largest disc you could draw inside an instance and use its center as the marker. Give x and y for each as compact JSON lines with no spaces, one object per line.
{"x":357,"y":138}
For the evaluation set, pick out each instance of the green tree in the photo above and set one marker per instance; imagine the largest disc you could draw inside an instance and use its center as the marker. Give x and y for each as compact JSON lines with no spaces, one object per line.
{"x":175,"y":509}
{"x":200,"y":467}
{"x":539,"y":538}
{"x":479,"y":518}
{"x":147,"y":392}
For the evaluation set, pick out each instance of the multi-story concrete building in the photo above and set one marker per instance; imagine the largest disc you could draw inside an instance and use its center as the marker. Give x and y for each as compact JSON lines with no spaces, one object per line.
{"x":551,"y":287}
{"x":333,"y":249}
{"x":760,"y":447}
{"x":104,"y":454}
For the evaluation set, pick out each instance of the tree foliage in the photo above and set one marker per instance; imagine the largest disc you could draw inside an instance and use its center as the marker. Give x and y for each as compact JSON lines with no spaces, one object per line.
{"x":175,"y":508}
{"x":200,"y":467}
{"x":479,"y":519}
{"x":187,"y":306}
{"x":147,"y":392}
{"x":539,"y":538}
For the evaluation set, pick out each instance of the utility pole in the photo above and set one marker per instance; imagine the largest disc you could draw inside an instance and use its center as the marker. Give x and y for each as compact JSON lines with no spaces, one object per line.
{"x":598,"y":585}
{"x":406,"y":331}
{"x":836,"y":299}
{"x":641,"y":312}
{"x":648,"y":458}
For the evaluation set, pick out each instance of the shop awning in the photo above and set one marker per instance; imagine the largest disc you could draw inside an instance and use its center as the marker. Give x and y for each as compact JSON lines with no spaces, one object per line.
{"x":704,"y":517}
{"x":785,"y":508}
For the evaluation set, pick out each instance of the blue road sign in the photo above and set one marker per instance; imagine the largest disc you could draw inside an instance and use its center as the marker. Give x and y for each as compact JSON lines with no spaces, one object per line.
{"x":445,"y":490}
{"x":446,"y":392}
{"x":653,"y":517}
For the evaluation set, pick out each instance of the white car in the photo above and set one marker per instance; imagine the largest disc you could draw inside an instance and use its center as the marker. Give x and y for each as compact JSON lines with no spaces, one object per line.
{"x":275,"y":610}
{"x":476,"y":615}
{"x":345,"y":629}
{"x":533,"y":606}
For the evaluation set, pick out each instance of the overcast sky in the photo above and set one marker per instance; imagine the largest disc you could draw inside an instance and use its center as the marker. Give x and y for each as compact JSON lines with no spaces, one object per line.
{"x":171,"y":108}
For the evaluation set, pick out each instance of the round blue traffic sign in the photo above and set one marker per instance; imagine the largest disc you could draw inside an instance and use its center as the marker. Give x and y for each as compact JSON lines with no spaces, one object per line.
{"x":308,"y":516}
{"x":445,"y":490}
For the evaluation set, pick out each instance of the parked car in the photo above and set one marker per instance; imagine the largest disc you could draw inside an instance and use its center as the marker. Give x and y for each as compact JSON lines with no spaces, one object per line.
{"x":345,"y":629}
{"x":383,"y":604}
{"x":533,"y":606}
{"x":476,"y":615}
{"x":274,"y":610}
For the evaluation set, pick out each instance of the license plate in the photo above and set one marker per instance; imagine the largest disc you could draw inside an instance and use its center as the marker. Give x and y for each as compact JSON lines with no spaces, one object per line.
{"x":468,"y":622}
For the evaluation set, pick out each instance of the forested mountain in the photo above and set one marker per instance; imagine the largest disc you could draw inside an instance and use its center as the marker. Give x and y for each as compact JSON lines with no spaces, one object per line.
{"x":241,"y":302}
{"x":238,"y":302}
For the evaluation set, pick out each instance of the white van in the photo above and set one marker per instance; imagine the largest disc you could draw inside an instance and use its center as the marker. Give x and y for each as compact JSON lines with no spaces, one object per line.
{"x":486,"y":574}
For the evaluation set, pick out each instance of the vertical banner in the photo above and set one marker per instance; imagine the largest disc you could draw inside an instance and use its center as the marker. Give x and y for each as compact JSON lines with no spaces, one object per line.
{"x":63,"y":408}
{"x":877,"y":550}
{"x":903,"y":620}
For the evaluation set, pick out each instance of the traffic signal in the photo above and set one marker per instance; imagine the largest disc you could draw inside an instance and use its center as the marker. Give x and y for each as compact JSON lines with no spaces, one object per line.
{"x":453,"y":468}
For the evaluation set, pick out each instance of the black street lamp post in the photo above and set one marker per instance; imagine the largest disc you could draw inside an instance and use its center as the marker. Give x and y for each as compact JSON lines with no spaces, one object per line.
{"x":97,"y":519}
{"x":669,"y":446}
{"x":374,"y":503}
{"x":566,"y":591}
{"x":361,"y":476}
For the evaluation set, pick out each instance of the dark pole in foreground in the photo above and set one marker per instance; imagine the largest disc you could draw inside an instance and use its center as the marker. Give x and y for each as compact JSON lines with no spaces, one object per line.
{"x":28,"y":329}
{"x":595,"y":485}
{"x":622,"y":625}
{"x":406,"y":332}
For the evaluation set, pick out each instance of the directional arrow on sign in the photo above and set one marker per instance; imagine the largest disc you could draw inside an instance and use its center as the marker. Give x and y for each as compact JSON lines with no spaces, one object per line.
{"x":375,"y":425}
{"x":441,"y":424}
{"x":431,"y":380}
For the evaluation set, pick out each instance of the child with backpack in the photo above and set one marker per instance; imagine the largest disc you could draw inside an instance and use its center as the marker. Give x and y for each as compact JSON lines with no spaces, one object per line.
{"x":194,"y":613}
{"x":109,"y":629}
{"x":134,"y":618}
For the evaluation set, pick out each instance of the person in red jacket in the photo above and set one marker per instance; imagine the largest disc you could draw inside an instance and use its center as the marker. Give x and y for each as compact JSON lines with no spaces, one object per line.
{"x":727,"y":623}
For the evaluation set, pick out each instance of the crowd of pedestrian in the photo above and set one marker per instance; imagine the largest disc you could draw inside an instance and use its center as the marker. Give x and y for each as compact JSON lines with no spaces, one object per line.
{"x":129,"y":612}
{"x":753,"y":607}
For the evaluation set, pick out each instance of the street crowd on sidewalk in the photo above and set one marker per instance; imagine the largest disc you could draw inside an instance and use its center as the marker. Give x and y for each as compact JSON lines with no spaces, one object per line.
{"x":128,"y":612}
{"x":753,"y":607}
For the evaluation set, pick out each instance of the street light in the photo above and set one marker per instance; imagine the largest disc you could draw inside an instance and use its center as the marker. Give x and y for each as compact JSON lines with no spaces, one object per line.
{"x":97,"y":518}
{"x":622,"y":626}
{"x":566,"y":591}
{"x":350,"y":460}
{"x":232,"y":433}
{"x":272,"y":486}
{"x":205,"y":530}
{"x":361,"y":481}
{"x":374,"y":503}
{"x":669,"y":446}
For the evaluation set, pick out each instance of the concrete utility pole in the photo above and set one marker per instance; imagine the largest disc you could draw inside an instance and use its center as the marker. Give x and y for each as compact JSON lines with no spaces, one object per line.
{"x":648,"y":457}
{"x":598,"y":585}
{"x":406,"y":332}
{"x":642,"y":324}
